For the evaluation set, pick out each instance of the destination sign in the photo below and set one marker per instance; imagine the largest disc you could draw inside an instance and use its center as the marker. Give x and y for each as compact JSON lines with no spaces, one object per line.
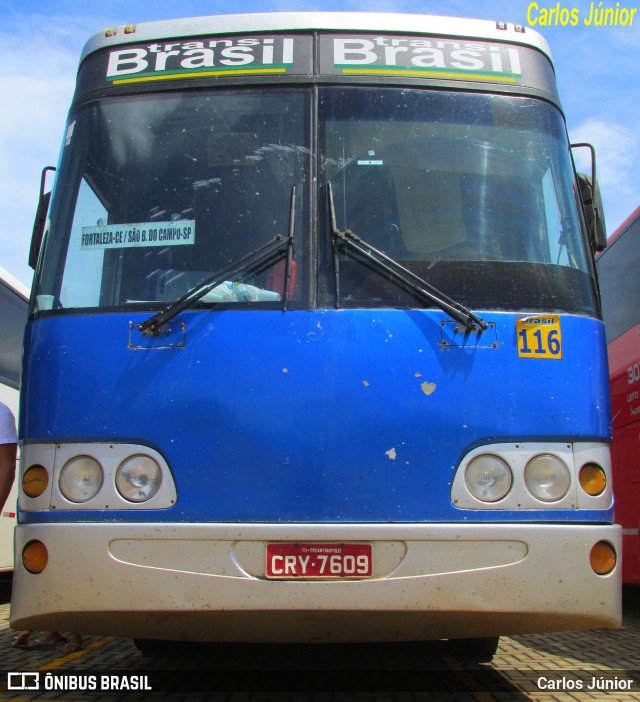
{"x":119,"y":236}
{"x":278,"y":55}
{"x":197,"y":58}
{"x":424,"y":57}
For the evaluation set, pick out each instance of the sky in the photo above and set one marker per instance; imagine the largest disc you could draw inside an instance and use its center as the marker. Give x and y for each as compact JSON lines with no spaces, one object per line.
{"x":597,"y":68}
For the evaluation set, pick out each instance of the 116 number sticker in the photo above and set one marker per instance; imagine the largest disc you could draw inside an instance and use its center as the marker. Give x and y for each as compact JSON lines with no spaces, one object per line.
{"x":539,"y":337}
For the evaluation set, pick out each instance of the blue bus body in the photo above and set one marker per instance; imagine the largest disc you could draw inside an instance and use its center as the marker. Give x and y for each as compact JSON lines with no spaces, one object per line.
{"x":326,"y":395}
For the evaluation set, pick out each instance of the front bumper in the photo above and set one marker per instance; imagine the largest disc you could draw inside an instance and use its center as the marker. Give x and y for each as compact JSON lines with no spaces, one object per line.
{"x":206,"y":582}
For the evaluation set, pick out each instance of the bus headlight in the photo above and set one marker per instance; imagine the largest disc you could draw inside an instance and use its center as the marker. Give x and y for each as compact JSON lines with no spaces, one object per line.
{"x":547,"y":478}
{"x":81,"y":479}
{"x":488,"y":478}
{"x":138,"y":478}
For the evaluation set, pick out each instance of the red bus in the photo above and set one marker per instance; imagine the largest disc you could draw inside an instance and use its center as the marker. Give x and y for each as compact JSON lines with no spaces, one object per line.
{"x":619,"y":274}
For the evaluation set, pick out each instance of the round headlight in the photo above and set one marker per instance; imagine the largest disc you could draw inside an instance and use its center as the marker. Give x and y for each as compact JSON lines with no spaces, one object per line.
{"x":81,"y":478}
{"x":138,"y":478}
{"x":547,"y":478}
{"x":488,"y":478}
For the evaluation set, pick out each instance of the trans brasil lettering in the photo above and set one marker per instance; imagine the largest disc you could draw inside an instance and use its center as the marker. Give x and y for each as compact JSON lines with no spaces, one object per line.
{"x":339,"y":54}
{"x":447,"y":54}
{"x":196,"y":56}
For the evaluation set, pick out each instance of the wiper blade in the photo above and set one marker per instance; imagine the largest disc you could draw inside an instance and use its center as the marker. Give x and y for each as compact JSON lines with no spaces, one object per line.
{"x":290,"y":240}
{"x":272,"y":251}
{"x":248,"y":262}
{"x":397,"y":273}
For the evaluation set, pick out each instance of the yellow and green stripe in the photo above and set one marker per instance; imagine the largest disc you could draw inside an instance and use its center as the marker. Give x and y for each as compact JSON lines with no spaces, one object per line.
{"x":493,"y":76}
{"x":197,"y":73}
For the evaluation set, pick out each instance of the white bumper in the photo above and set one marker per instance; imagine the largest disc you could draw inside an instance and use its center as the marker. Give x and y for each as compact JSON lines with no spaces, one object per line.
{"x":206,"y":582}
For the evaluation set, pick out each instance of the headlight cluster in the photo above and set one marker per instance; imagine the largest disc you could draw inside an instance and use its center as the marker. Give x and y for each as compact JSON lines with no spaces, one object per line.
{"x":137,"y":478}
{"x":534,"y":476}
{"x":489,"y":478}
{"x":94,"y":476}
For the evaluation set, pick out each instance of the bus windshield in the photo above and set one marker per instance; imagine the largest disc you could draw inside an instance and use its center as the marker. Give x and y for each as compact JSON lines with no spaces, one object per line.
{"x":469,"y":191}
{"x":170,"y":189}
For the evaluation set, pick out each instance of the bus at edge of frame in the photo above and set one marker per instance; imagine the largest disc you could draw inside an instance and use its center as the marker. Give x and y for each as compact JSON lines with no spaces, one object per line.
{"x":315,"y":351}
{"x":618,"y":277}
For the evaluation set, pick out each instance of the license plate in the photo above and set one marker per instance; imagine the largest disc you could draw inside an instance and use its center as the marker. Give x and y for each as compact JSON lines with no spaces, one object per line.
{"x":317,"y":561}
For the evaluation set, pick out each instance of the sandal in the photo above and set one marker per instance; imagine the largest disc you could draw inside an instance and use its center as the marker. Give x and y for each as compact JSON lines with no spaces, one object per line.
{"x":38,"y":645}
{"x":21,"y":640}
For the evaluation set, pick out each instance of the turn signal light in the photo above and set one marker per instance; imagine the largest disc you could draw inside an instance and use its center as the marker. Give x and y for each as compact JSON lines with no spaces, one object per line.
{"x":35,"y":557}
{"x":593,"y":479}
{"x":35,"y":481}
{"x":603,"y":558}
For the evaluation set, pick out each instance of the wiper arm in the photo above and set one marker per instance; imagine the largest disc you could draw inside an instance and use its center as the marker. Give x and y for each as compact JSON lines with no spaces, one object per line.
{"x":290,"y":240}
{"x":397,"y":273}
{"x":271,"y":251}
{"x":250,"y":261}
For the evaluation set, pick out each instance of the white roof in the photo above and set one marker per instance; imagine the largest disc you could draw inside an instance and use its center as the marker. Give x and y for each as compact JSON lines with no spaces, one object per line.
{"x":332,"y":21}
{"x":14,"y":283}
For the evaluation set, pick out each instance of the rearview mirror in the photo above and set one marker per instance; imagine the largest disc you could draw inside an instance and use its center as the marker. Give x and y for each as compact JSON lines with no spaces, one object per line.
{"x":40,"y":219}
{"x":593,"y":211}
{"x":592,"y":203}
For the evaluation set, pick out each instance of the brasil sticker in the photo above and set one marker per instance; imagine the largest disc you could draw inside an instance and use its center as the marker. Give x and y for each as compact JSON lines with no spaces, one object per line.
{"x":539,"y":337}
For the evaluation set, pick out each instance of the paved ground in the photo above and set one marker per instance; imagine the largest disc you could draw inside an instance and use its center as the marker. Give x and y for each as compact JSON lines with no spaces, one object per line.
{"x":568,"y":667}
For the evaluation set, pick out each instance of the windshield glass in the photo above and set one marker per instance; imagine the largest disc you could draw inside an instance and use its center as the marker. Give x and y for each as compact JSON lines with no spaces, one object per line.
{"x":472,"y":192}
{"x":157,"y":193}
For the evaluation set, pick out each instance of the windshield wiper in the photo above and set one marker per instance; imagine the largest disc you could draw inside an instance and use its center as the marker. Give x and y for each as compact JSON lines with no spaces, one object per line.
{"x":397,"y":273}
{"x":270,"y":252}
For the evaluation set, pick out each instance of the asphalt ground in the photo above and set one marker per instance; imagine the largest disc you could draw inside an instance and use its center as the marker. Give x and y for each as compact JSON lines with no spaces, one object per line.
{"x":600,"y":665}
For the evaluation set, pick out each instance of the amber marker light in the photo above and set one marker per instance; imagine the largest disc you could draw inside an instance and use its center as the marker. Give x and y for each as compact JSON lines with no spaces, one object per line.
{"x":603,"y":558}
{"x":35,"y":557}
{"x":35,"y":481}
{"x":593,"y":479}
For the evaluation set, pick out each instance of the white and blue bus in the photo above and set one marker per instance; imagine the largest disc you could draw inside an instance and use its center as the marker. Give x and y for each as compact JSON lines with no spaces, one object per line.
{"x":315,"y":351}
{"x":14,"y":304}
